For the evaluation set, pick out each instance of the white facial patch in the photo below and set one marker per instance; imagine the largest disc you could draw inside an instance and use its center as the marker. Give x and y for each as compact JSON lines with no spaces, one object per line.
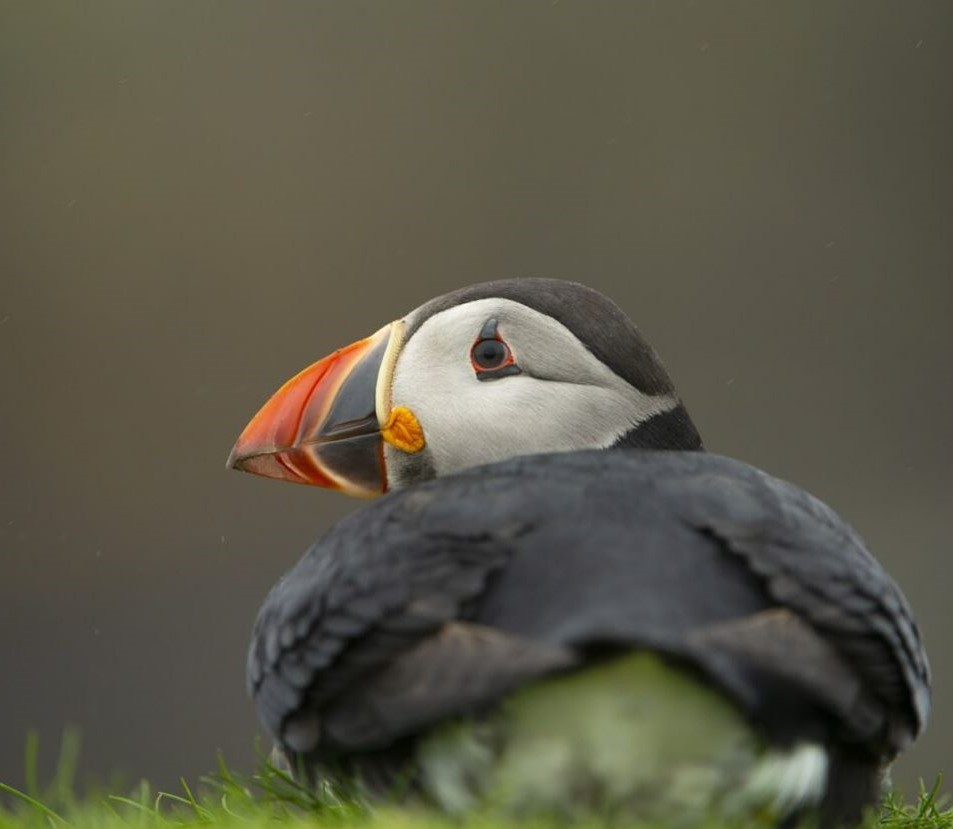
{"x":564,"y":400}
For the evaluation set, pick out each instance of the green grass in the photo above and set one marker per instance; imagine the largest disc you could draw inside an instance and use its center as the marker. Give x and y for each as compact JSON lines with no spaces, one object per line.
{"x":270,"y":797}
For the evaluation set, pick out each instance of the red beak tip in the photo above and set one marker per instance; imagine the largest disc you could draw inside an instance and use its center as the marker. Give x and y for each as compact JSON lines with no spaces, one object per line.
{"x":244,"y":461}
{"x":238,"y":457}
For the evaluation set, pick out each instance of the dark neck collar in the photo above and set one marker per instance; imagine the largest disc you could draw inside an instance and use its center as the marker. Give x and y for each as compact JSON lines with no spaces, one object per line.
{"x":670,"y":430}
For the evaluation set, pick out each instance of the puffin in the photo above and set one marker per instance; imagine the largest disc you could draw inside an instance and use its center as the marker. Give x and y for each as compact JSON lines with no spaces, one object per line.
{"x":563,"y":604}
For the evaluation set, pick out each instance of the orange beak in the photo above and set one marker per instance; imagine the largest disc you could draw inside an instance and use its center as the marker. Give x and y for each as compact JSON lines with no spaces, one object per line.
{"x":324,"y":426}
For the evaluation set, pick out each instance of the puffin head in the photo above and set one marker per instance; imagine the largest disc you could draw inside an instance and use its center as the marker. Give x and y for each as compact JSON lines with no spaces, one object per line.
{"x":482,"y":374}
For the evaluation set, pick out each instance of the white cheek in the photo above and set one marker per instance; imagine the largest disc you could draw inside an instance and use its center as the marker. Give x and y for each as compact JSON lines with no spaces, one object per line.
{"x":467,"y":422}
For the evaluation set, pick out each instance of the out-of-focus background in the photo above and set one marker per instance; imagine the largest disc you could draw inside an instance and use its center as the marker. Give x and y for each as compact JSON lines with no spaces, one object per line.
{"x":197,"y":199}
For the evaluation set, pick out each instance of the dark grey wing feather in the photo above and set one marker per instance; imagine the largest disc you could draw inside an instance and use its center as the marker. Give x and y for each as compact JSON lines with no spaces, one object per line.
{"x":371,"y":589}
{"x":813,"y":563}
{"x":782,"y":671}
{"x":649,"y":548}
{"x":460,"y":668}
{"x":572,"y":553}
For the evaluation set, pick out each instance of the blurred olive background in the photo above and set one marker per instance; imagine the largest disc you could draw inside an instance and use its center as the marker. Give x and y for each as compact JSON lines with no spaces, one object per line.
{"x":200,"y":198}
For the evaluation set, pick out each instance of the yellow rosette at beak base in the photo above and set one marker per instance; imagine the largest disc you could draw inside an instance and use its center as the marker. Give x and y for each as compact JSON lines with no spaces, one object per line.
{"x":403,"y":430}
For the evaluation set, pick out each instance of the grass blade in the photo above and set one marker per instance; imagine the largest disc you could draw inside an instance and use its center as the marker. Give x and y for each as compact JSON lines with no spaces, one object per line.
{"x":35,"y":803}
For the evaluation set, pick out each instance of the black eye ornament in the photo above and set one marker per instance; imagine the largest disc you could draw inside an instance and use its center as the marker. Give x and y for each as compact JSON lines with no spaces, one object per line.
{"x":490,"y":356}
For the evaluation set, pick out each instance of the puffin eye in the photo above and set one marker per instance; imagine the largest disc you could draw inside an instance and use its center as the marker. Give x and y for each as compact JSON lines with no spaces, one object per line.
{"x":490,"y":356}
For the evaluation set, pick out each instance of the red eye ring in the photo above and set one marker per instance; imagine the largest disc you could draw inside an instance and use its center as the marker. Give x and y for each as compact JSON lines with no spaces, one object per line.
{"x":490,"y":354}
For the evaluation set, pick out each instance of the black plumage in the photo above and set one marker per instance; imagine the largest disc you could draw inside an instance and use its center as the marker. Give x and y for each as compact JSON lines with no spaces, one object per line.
{"x":436,"y":600}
